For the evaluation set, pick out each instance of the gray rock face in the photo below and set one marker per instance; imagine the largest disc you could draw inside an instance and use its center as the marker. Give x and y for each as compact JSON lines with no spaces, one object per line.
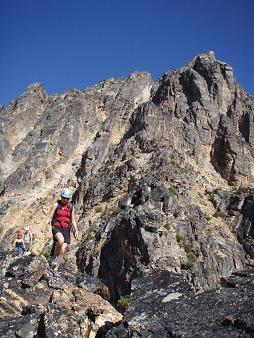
{"x":245,"y":228}
{"x":215,"y":112}
{"x":162,"y":174}
{"x":194,"y":122}
{"x":164,"y":305}
{"x":92,"y":284}
{"x":41,"y":133}
{"x":36,"y":302}
{"x":157,"y":230}
{"x":238,"y":209}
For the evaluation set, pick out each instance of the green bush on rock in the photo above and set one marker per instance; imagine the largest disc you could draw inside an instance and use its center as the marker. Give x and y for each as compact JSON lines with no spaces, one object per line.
{"x":123,"y":303}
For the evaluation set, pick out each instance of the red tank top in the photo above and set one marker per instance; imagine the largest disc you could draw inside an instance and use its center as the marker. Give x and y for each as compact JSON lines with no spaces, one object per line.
{"x":62,"y":217}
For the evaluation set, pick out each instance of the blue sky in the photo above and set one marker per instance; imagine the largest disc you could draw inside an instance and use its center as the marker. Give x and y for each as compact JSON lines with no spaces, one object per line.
{"x":77,"y":43}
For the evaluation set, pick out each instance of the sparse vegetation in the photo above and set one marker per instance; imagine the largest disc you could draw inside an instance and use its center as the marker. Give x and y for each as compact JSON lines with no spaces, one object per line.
{"x":175,"y":164}
{"x":191,"y":261}
{"x":172,"y":191}
{"x":167,"y":226}
{"x":92,"y":254}
{"x":181,"y":239}
{"x":220,"y":214}
{"x":105,"y":211}
{"x":89,"y":238}
{"x":187,"y":247}
{"x":242,"y":190}
{"x":123,"y":303}
{"x":150,"y":228}
{"x":117,"y":210}
{"x":45,"y":253}
{"x":208,"y":217}
{"x":212,"y":199}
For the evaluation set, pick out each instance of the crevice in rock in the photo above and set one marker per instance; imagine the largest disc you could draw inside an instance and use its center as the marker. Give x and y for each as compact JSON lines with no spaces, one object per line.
{"x":244,"y":127}
{"x":222,"y":156}
{"x":245,"y":231}
{"x":90,"y":315}
{"x":239,"y":325}
{"x":190,"y":87}
{"x":41,"y":327}
{"x":121,"y":256}
{"x":101,"y":333}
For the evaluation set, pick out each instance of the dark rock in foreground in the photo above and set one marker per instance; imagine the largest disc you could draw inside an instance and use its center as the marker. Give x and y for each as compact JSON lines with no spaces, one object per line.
{"x":164,"y":305}
{"x":35,"y":302}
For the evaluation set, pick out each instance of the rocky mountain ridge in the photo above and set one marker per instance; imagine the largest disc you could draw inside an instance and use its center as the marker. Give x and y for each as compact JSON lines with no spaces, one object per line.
{"x":37,"y":303}
{"x":162,"y":174}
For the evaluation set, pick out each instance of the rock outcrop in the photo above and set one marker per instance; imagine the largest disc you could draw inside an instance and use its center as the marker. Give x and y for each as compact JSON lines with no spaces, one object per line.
{"x":164,"y":305}
{"x":181,"y":146}
{"x":36,"y":302}
{"x":162,"y":174}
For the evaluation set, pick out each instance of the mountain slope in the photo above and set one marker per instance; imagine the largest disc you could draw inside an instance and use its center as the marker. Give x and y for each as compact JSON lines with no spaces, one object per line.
{"x":158,"y":169}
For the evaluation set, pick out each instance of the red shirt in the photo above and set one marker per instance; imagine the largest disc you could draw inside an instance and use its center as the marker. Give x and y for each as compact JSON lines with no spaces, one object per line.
{"x":62,"y":216}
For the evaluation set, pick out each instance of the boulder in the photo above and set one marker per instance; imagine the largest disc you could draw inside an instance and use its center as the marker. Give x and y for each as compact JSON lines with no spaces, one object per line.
{"x":164,"y":305}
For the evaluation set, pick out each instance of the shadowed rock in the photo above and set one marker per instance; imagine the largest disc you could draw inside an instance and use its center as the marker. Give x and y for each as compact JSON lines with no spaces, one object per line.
{"x":163,"y":305}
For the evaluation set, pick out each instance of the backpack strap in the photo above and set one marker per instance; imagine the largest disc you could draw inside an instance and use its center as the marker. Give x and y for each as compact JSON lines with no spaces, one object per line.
{"x":53,"y":218}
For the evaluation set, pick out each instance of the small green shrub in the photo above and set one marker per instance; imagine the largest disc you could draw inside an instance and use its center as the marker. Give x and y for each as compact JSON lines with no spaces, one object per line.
{"x":218,"y":214}
{"x":212,"y":199}
{"x":242,"y":190}
{"x":167,"y":226}
{"x":105,"y":211}
{"x":150,"y":229}
{"x":172,"y":191}
{"x":45,"y":253}
{"x":89,"y":238}
{"x":208,"y":217}
{"x":175,"y":164}
{"x":117,"y":210}
{"x":187,"y":247}
{"x":123,"y":303}
{"x":191,"y":261}
{"x":180,"y":238}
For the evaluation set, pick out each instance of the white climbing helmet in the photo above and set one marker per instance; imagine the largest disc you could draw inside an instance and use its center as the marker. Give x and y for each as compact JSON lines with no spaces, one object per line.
{"x":65,"y":192}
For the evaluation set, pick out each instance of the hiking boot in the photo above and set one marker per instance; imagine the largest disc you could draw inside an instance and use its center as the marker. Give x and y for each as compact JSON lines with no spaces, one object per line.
{"x":54,"y":263}
{"x":56,"y":272}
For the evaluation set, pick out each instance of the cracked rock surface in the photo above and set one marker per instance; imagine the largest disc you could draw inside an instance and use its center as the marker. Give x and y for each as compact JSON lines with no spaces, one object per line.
{"x":161,"y":173}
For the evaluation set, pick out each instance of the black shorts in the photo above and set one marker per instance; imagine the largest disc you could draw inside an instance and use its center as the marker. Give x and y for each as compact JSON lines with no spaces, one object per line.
{"x":66,"y":232}
{"x":27,"y":246}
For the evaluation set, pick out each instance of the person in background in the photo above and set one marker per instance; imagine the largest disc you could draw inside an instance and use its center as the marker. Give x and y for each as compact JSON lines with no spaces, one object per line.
{"x":62,"y":220}
{"x":19,"y":246}
{"x":28,"y":239}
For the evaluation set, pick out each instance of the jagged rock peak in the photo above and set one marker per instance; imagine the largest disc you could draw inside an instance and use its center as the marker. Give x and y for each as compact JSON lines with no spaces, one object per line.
{"x":207,"y":56}
{"x":35,"y":87}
